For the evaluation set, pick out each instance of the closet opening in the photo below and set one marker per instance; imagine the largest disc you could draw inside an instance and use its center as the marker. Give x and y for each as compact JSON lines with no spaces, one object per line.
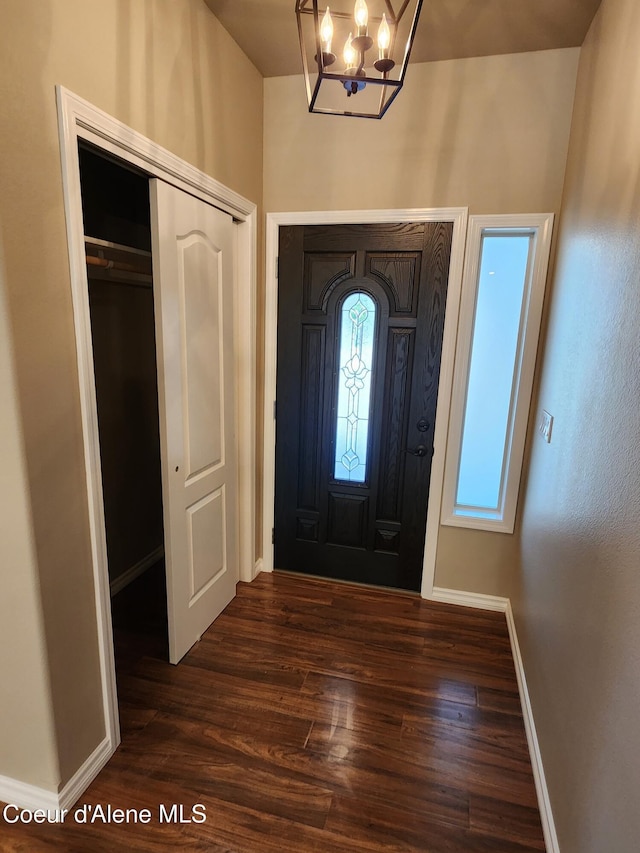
{"x":115,"y":206}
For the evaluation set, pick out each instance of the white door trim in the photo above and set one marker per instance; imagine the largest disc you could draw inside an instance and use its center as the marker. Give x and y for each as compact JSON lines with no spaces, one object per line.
{"x":78,"y":119}
{"x":457,"y":215}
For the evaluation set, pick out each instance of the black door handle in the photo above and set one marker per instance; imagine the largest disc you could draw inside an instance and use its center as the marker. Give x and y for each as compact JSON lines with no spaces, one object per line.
{"x":420,"y":450}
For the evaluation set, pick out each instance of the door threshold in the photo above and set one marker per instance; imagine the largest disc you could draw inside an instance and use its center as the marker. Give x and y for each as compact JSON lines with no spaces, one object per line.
{"x":357,"y":584}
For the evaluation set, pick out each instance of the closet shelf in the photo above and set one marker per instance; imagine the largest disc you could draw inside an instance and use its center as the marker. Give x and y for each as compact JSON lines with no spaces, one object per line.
{"x":106,"y":244}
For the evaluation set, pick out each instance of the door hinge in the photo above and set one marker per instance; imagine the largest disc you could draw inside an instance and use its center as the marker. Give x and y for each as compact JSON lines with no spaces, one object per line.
{"x":273,"y":536}
{"x":275,"y":409}
{"x":278,"y":266}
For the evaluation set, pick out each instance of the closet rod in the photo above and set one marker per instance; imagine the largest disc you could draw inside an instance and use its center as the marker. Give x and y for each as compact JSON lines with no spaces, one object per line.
{"x":112,"y":265}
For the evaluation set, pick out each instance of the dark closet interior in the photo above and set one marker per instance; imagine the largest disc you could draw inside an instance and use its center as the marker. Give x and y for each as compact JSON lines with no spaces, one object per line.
{"x":115,"y":204}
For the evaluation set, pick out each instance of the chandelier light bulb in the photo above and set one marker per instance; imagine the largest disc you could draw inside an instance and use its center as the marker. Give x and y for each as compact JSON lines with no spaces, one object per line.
{"x":326,"y":31}
{"x":349,"y":53}
{"x":361,"y":14}
{"x":384,"y":38}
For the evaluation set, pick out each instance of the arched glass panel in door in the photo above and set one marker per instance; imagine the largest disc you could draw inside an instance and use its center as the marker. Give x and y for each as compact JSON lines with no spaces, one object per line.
{"x":356,"y":337}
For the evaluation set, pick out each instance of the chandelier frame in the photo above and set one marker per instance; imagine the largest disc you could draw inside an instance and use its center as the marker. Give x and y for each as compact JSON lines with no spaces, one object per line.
{"x":353,"y":80}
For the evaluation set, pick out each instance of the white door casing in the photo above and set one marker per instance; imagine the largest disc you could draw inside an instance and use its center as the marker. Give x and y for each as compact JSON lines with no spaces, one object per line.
{"x":193,"y":268}
{"x":457,"y":215}
{"x":78,"y":119}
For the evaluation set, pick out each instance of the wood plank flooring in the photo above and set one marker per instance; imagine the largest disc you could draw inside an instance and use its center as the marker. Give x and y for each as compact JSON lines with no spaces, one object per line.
{"x":323,"y":718}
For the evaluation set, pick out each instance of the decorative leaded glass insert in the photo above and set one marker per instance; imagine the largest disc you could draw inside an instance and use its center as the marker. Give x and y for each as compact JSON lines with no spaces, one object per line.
{"x":355,"y":360}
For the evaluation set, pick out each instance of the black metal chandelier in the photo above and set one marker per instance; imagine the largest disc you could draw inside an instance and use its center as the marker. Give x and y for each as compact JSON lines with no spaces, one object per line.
{"x":375,"y":41}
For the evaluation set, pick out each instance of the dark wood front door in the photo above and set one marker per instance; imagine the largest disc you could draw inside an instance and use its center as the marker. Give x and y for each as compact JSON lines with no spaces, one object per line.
{"x":360,"y":321}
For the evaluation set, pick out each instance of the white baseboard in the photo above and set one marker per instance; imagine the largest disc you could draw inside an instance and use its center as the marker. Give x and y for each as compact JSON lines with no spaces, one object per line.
{"x":259,"y":567}
{"x":469,"y":599}
{"x":85,"y":775}
{"x":31,"y":797}
{"x":136,"y":570}
{"x":26,"y":796}
{"x":544,"y":803}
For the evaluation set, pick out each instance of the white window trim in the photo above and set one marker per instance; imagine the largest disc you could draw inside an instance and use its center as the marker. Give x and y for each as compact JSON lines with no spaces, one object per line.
{"x":540,"y":225}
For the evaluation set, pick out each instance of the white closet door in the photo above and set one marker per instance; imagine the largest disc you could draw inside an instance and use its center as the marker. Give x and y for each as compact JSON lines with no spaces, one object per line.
{"x":193,"y":260}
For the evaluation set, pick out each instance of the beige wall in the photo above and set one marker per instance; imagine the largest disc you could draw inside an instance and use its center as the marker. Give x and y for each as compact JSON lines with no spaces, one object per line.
{"x":477,"y":561}
{"x":170,"y":71}
{"x":489,"y":133}
{"x":27,"y":740}
{"x":578,"y":607}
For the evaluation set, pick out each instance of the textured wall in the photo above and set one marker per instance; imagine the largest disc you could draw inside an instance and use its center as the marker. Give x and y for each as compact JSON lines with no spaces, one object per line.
{"x":578,"y":605}
{"x":27,"y":740}
{"x":170,"y":71}
{"x":489,"y":133}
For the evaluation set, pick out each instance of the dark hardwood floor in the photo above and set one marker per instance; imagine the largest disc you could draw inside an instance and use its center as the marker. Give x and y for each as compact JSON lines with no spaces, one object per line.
{"x":321,"y":717}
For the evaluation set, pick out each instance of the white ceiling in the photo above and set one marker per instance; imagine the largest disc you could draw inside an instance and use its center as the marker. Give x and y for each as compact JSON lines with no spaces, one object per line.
{"x":449,"y":29}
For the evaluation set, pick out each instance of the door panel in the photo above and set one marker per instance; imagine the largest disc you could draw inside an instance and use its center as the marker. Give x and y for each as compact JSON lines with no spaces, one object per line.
{"x":199,"y":263}
{"x":193,"y":276}
{"x":206,"y":542}
{"x":346,"y":507}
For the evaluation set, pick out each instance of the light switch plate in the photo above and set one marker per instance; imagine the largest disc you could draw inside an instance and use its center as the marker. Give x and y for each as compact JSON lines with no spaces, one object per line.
{"x":545,"y":426}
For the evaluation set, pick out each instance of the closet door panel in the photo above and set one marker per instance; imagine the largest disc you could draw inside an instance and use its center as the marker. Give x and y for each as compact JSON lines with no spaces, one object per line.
{"x":193,"y":258}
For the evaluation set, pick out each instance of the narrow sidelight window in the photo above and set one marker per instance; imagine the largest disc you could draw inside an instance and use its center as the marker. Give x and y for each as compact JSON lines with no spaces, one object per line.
{"x":357,"y":322}
{"x":503,"y":289}
{"x":504,"y":260}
